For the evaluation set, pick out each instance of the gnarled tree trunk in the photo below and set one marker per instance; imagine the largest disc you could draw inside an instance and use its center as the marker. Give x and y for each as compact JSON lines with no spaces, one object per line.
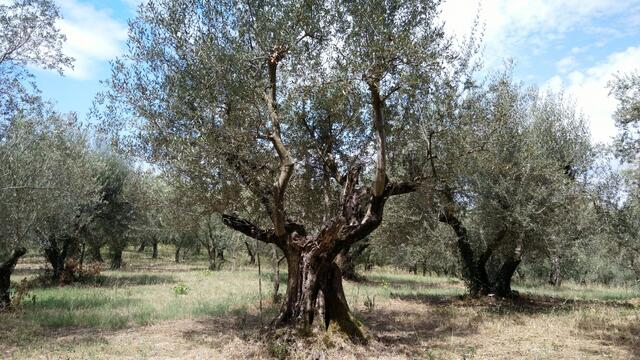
{"x":314,"y":279}
{"x":6,"y":269}
{"x":316,"y":287}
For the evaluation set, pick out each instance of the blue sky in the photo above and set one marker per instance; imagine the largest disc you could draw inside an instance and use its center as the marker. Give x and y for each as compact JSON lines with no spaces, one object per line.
{"x":576,"y":45}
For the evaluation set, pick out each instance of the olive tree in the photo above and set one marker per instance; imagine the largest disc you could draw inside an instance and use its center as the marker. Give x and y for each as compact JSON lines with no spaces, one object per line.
{"x":297,"y":103}
{"x":505,"y":167}
{"x":626,"y":90}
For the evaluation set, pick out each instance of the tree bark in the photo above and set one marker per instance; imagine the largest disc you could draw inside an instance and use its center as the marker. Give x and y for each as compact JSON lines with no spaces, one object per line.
{"x":347,"y":266}
{"x":6,"y":269}
{"x":276,"y":276}
{"x":315,"y":286}
{"x":177,"y":256}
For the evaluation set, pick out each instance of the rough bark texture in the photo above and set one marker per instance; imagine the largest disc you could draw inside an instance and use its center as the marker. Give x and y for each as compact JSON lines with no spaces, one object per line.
{"x":276,"y":276}
{"x":316,"y":287}
{"x":6,"y":269}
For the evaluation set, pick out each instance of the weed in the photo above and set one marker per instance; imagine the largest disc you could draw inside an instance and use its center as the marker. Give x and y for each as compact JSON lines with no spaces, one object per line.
{"x":181,"y":289}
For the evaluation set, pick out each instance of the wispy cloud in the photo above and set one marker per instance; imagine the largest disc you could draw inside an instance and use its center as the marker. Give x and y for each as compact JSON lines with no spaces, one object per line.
{"x":589,"y":88}
{"x":93,"y":37}
{"x":517,"y":28}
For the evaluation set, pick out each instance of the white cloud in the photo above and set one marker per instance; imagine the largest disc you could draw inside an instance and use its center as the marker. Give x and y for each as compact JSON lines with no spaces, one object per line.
{"x":516,"y":27}
{"x":589,"y":88}
{"x":93,"y":36}
{"x":566,"y":64}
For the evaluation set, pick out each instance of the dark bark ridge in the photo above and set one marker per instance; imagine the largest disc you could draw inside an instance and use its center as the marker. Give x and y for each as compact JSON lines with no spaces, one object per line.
{"x":6,"y":268}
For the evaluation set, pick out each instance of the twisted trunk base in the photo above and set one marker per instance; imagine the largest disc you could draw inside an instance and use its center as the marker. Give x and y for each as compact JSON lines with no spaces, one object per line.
{"x":314,"y":287}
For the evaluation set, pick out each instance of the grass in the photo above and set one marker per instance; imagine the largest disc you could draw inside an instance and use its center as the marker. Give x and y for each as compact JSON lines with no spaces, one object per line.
{"x":138,"y":313}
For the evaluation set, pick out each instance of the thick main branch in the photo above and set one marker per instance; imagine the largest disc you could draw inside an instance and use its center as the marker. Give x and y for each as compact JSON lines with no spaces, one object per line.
{"x":275,"y":136}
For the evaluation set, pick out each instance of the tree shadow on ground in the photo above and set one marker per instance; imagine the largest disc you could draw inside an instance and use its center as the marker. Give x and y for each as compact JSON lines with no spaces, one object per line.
{"x":624,"y":334}
{"x":407,"y":328}
{"x":105,"y":281}
{"x":522,"y":304}
{"x":79,"y":303}
{"x":19,"y":336}
{"x":131,"y":280}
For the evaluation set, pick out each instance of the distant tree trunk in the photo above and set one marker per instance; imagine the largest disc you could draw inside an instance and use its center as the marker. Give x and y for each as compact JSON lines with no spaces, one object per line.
{"x":368,"y":264}
{"x":347,"y":267}
{"x":413,"y":268}
{"x":154,"y":254}
{"x":142,"y":246}
{"x":57,"y":256}
{"x":177,"y":257}
{"x":6,"y":268}
{"x":555,"y":277}
{"x":424,"y":268}
{"x":116,"y":258}
{"x":82,"y":254}
{"x":346,"y":261}
{"x":94,"y":253}
{"x":214,"y":255}
{"x":252,"y":256}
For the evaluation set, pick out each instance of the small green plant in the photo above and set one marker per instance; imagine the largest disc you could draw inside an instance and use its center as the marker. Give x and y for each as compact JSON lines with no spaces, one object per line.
{"x":369,"y":303}
{"x":181,"y":289}
{"x":22,"y":293}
